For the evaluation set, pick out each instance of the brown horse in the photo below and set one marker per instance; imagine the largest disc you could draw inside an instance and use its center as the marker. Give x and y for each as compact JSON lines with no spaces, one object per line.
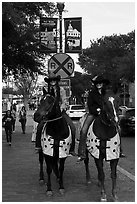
{"x":103,"y":142}
{"x":55,"y":140}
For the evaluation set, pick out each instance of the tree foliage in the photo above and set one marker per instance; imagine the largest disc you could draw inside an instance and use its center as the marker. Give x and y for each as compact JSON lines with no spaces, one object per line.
{"x":112,"y":56}
{"x":79,"y":84}
{"x":20,"y":47}
{"x":26,"y":85}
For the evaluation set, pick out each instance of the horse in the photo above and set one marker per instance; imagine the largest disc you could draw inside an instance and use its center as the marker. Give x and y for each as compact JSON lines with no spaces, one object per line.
{"x":103,"y":142}
{"x":55,"y":140}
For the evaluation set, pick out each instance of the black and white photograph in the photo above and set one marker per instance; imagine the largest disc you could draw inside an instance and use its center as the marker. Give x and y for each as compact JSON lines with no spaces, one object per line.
{"x":68,"y":101}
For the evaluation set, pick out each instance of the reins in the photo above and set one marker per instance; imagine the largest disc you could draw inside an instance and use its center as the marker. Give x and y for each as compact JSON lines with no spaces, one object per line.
{"x":54,"y":119}
{"x":105,"y":123}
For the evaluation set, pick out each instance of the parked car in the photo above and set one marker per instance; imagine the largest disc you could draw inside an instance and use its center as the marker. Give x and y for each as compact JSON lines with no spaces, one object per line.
{"x":76,"y":111}
{"x":127,"y":121}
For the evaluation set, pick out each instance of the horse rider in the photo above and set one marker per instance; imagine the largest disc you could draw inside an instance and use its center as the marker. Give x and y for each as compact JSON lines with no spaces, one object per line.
{"x":95,"y":105}
{"x":60,"y":94}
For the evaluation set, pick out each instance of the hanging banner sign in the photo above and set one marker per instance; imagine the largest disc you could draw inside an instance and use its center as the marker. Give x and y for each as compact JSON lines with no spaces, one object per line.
{"x":48,"y":35}
{"x":73,"y":35}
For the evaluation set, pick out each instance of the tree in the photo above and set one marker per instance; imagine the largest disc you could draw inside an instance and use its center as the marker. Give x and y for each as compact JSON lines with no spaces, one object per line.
{"x":112,"y":56}
{"x":79,"y":83}
{"x":26,"y":84}
{"x":20,"y":48}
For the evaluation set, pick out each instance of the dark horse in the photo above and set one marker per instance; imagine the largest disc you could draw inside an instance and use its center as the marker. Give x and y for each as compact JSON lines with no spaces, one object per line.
{"x":55,"y":140}
{"x":103,"y":142}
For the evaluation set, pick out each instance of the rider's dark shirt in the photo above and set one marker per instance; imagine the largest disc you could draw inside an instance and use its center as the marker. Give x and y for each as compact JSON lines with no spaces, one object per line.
{"x":95,"y":101}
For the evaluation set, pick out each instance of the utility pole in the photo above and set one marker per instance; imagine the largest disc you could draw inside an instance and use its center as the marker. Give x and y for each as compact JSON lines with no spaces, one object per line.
{"x":60,"y":7}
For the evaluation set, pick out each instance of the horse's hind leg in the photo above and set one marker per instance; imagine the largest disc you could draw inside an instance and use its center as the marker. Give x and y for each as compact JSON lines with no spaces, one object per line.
{"x":113,"y":166}
{"x":86,"y":162}
{"x":61,"y":170}
{"x":41,"y":159}
{"x":101,"y":178}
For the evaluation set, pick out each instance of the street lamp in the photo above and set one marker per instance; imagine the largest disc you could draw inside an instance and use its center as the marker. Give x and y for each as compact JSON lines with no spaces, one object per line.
{"x":60,"y":7}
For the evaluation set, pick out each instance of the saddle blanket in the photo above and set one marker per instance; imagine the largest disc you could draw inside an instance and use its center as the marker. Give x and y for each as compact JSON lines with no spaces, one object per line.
{"x":48,"y":142}
{"x":112,"y":145}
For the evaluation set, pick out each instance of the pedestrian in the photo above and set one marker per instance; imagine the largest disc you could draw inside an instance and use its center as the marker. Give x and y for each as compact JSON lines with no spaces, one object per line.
{"x":13,"y":112}
{"x":8,"y":124}
{"x":14,"y":107}
{"x":95,"y":105}
{"x":54,"y":89}
{"x":23,"y":118}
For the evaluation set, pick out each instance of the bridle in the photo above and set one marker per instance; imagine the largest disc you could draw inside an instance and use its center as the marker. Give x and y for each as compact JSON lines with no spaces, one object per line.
{"x":47,"y":95}
{"x":44,"y":117}
{"x":114,"y":119}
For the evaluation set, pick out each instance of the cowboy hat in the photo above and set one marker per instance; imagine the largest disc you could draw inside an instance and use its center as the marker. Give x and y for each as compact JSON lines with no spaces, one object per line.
{"x":100,"y":79}
{"x":52,"y":77}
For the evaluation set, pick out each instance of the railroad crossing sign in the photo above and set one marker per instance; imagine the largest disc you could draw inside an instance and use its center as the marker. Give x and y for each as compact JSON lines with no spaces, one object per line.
{"x":61,"y":64}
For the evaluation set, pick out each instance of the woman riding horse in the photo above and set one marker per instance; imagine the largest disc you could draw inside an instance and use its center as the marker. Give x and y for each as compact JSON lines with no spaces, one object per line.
{"x":102,"y":141}
{"x":95,"y":105}
{"x":56,"y":91}
{"x":55,"y":137}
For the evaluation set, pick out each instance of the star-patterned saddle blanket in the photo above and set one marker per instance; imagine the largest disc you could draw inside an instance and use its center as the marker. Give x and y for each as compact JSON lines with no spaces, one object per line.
{"x":93,"y":143}
{"x":48,"y":143}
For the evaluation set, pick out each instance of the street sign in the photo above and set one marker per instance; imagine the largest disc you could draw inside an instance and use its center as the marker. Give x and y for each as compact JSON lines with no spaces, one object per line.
{"x":64,"y":82}
{"x":61,"y":64}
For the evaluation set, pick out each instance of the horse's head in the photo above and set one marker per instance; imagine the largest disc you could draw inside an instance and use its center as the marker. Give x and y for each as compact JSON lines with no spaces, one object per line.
{"x":109,"y":114}
{"x":45,"y":108}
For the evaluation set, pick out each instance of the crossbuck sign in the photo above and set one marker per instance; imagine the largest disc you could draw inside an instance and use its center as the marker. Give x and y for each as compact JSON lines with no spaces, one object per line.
{"x":61,"y":64}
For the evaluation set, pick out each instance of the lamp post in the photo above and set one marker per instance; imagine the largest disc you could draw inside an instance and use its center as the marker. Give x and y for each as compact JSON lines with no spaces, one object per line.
{"x":60,"y":7}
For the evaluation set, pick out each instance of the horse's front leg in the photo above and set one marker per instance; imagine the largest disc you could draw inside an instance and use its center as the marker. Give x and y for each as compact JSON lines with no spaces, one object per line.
{"x":61,"y":171}
{"x":101,"y":178}
{"x":86,"y":162}
{"x":113,"y":166}
{"x":41,"y":174}
{"x":55,"y":168}
{"x":49,"y":162}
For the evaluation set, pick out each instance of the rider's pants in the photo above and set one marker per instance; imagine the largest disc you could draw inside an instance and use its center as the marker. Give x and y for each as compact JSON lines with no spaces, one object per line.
{"x":38,"y":134}
{"x":73,"y":130}
{"x":83,"y":136}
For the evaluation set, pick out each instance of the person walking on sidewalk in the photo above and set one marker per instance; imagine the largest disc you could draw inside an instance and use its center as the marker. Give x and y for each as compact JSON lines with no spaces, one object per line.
{"x":23,"y":118}
{"x":8,"y":124}
{"x":13,"y":112}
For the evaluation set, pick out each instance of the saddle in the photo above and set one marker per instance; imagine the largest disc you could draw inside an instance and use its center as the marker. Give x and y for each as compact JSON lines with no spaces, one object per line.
{"x":103,"y":131}
{"x":58,"y":129}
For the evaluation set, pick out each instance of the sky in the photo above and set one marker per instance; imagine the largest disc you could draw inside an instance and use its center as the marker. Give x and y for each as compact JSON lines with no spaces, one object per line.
{"x":101,"y":19}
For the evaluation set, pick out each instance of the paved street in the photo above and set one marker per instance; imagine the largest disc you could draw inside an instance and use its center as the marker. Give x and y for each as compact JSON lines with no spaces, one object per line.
{"x":20,"y":174}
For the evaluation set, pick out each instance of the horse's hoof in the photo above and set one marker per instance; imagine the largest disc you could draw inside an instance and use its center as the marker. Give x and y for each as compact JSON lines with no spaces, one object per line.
{"x":41,"y":181}
{"x":49,"y":193}
{"x":103,"y":198}
{"x":88,"y":182}
{"x":115,"y":198}
{"x":62,"y":191}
